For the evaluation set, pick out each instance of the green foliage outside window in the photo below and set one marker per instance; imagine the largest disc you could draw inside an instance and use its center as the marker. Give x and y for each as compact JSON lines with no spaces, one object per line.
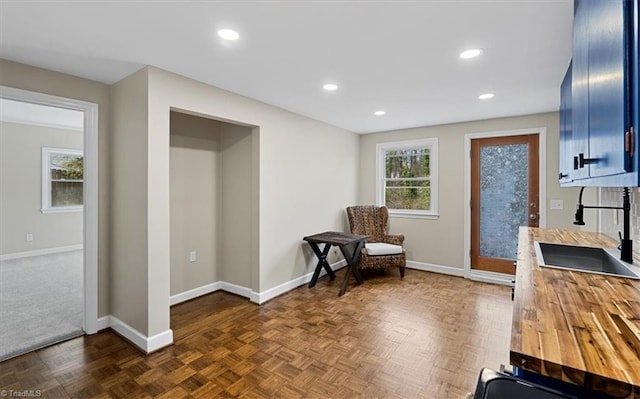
{"x":67,"y":173}
{"x":408,"y":179}
{"x":66,"y":167}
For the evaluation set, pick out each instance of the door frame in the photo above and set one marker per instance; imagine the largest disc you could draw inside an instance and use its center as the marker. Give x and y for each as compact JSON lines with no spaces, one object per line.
{"x":90,"y":204}
{"x":486,"y":276}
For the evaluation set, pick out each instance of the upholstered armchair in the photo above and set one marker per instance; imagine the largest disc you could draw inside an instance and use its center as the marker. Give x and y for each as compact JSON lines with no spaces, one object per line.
{"x":381,"y":250}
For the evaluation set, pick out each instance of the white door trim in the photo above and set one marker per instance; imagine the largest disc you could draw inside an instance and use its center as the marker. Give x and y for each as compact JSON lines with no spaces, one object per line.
{"x":90,"y":324}
{"x":542,"y":171}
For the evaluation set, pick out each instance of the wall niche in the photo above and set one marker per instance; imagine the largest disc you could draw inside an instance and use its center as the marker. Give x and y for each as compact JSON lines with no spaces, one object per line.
{"x":210,"y":202}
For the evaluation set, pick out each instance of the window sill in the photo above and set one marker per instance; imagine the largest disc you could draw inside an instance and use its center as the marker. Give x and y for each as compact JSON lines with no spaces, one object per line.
{"x":413,"y":215}
{"x":62,"y":210}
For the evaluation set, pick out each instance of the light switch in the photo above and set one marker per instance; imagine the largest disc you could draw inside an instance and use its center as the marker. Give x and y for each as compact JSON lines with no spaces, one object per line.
{"x":193,"y":256}
{"x":557,"y":205}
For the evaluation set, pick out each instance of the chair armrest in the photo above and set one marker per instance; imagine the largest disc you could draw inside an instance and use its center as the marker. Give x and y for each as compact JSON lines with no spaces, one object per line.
{"x":396,"y":239}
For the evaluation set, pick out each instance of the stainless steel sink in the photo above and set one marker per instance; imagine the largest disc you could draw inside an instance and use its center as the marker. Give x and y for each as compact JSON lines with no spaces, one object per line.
{"x":584,"y":259}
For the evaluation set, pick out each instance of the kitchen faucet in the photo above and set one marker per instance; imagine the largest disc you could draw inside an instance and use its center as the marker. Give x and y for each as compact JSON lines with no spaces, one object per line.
{"x":626,"y":245}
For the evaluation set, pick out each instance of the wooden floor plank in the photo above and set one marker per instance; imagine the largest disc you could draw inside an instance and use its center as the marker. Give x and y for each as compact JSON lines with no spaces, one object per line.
{"x":426,"y":336}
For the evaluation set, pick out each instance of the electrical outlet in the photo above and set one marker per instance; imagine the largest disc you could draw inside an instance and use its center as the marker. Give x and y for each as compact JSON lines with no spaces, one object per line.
{"x":193,"y":256}
{"x":29,"y":237}
{"x":556,"y":205}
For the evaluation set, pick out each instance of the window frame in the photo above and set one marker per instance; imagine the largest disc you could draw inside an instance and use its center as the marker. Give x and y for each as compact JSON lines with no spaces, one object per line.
{"x":46,"y":181}
{"x":382,"y":148}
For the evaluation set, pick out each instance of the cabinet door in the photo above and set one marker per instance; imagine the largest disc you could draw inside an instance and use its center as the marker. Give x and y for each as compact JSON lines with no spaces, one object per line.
{"x":608,"y":87}
{"x":635,"y":87}
{"x":580,"y":87}
{"x":565,"y":167}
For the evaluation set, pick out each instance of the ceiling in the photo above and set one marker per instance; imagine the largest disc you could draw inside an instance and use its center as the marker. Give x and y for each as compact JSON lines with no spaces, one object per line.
{"x":396,"y":56}
{"x":40,"y":115}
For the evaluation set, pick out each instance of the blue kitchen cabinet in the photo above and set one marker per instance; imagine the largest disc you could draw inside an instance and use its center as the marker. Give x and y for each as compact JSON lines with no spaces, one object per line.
{"x":609,"y":94}
{"x":565,"y":167}
{"x":580,"y":88}
{"x":603,"y":103}
{"x":635,"y":88}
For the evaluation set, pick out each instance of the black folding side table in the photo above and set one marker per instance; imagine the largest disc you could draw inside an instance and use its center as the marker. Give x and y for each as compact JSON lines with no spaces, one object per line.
{"x":343,"y":241}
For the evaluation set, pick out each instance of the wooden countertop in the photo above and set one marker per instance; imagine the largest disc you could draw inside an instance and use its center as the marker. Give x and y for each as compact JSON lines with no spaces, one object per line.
{"x":578,"y":327}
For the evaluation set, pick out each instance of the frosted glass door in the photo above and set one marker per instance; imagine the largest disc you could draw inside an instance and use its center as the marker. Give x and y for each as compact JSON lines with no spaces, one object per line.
{"x":504,"y":197}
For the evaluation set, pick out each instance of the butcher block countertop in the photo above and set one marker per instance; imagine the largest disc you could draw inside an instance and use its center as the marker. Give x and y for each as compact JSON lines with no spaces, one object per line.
{"x":578,"y":327}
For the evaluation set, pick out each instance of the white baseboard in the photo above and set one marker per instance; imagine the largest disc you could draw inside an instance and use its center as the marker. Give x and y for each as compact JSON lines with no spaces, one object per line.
{"x":147,"y":344}
{"x":208,"y":289}
{"x":236,"y":289}
{"x":194,"y":293}
{"x":159,"y":341}
{"x":253,"y":296}
{"x":104,"y":322}
{"x":263,"y":297}
{"x":38,"y":252}
{"x":429,"y":267}
{"x":475,"y":275}
{"x":491,"y":277}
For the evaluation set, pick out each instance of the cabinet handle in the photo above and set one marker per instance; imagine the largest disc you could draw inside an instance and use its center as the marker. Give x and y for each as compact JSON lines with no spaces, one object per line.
{"x":628,"y":142}
{"x":576,"y":163}
{"x":562,"y":176}
{"x":585,"y":161}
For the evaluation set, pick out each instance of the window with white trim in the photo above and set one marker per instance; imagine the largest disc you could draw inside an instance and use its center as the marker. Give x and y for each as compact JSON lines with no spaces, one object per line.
{"x":62,"y":180}
{"x":407,"y":177}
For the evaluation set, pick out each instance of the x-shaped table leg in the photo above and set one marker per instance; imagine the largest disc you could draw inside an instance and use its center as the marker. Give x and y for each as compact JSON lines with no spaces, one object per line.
{"x":322,"y":262}
{"x":352,"y":260}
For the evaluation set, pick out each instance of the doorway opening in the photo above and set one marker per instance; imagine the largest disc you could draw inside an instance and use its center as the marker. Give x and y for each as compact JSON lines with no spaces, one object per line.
{"x":48,"y":212}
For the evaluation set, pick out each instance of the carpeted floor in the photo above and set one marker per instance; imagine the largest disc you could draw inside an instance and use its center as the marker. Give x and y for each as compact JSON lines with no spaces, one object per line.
{"x":41,"y":301}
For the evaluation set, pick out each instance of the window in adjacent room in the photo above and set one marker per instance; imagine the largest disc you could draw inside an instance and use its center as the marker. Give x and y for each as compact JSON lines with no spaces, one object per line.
{"x":407,"y":177}
{"x":62,"y":180}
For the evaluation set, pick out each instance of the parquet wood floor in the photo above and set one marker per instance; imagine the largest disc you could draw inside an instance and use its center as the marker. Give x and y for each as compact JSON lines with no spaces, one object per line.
{"x":426,"y":336}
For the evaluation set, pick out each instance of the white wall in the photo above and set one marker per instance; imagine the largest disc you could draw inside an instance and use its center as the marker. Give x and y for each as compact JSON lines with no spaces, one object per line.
{"x":21,"y":190}
{"x":43,"y":81}
{"x":441,"y":241}
{"x":129,"y":198}
{"x":195,"y":202}
{"x":235,"y":210}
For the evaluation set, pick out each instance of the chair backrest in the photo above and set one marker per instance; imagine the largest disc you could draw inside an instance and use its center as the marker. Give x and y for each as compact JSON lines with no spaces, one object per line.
{"x":368,"y":220}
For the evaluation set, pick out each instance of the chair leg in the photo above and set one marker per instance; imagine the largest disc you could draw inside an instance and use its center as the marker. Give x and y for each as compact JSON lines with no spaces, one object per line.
{"x":402,"y":272}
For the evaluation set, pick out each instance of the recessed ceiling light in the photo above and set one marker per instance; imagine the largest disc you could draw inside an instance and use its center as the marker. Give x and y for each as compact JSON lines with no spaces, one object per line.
{"x":486,"y":96}
{"x":228,"y":34}
{"x":471,"y":53}
{"x":330,"y":87}
{"x":379,"y":113}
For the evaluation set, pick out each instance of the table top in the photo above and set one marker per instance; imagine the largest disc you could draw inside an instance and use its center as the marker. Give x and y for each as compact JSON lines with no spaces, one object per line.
{"x":334,"y":238}
{"x":577,"y":327}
